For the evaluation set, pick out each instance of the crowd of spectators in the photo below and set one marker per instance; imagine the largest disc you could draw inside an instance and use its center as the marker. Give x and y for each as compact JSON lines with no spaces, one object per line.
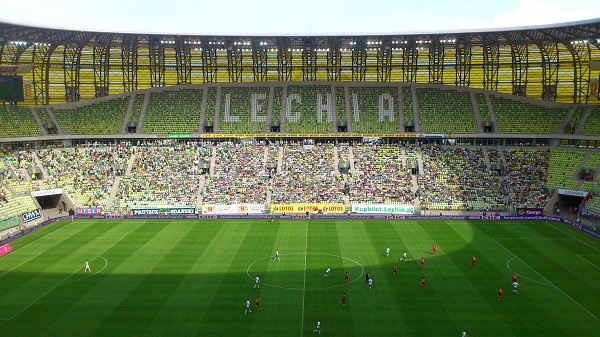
{"x":239,"y":174}
{"x":165,"y":172}
{"x":86,"y":172}
{"x":458,"y":178}
{"x":307,"y":175}
{"x":526,"y":175}
{"x":380,"y":176}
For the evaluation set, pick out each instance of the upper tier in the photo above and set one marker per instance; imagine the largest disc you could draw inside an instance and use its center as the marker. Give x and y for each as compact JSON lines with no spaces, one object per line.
{"x":305,"y":108}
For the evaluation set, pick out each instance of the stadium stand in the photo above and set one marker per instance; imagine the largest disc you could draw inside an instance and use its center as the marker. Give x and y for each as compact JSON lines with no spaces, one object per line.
{"x":458,"y":178}
{"x":173,"y":112}
{"x":310,"y":109}
{"x":407,"y":104}
{"x":243,"y":109}
{"x":562,"y":167}
{"x":525,"y":179}
{"x":277,"y":105}
{"x":85,"y":173}
{"x":445,"y":111}
{"x":374,"y":109}
{"x":99,"y":118}
{"x":211,"y":106}
{"x":136,"y":110}
{"x":165,"y":173}
{"x":307,"y":175}
{"x":484,"y":112}
{"x":239,"y":175}
{"x":16,"y":121}
{"x":591,"y":127}
{"x":521,"y":117}
{"x":379,"y":175}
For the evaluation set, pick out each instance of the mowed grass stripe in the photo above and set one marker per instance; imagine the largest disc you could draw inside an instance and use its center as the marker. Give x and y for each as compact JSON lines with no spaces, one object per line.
{"x":201,"y":279}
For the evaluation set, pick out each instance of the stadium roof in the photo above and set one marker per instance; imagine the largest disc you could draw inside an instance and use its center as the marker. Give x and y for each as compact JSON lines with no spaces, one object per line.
{"x":294,"y":18}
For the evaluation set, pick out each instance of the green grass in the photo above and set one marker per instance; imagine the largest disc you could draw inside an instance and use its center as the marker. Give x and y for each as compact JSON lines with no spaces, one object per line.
{"x":192,"y":278}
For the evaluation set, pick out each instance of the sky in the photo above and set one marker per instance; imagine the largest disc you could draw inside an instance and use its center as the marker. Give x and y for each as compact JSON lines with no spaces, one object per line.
{"x":293,"y":17}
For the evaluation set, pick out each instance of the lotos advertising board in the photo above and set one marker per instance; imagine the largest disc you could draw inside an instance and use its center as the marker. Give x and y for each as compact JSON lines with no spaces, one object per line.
{"x":527,"y":211}
{"x":383,"y":209}
{"x":233,"y":209}
{"x":163,"y":211}
{"x":308,"y":207}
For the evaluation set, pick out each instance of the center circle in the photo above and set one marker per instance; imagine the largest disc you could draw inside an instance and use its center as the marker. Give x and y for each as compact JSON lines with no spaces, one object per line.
{"x":305,"y":271}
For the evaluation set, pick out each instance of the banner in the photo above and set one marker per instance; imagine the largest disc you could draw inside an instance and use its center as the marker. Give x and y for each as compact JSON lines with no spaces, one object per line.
{"x":5,"y":249}
{"x":31,"y":215}
{"x":47,"y":192}
{"x":589,"y":213}
{"x":16,"y":69}
{"x":9,"y":223}
{"x":527,"y":211}
{"x":383,"y":208}
{"x":233,"y":209}
{"x":88,"y":211}
{"x":309,"y":207}
{"x":572,"y":192}
{"x":163,"y":210}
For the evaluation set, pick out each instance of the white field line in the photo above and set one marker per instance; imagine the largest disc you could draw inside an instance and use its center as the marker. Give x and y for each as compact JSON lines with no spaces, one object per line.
{"x":527,"y":278}
{"x":42,"y":237}
{"x":552,"y":284}
{"x":588,"y":261}
{"x":22,"y":263}
{"x":58,"y":284}
{"x":558,"y":229}
{"x":304,"y":285}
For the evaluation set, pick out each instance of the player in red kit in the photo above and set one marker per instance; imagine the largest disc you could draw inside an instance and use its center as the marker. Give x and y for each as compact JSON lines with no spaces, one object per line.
{"x":257,"y":303}
{"x":343,"y":300}
{"x":434,"y":249}
{"x":423,"y":282}
{"x":422,"y":262}
{"x":514,"y":278}
{"x":395,"y":270}
{"x":500,"y":292}
{"x":346,"y":277}
{"x":473,"y":260}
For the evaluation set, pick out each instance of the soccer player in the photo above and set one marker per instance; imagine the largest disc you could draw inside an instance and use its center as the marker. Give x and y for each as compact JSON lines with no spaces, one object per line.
{"x":422,"y":262}
{"x":515,"y":285}
{"x":257,"y":284}
{"x":464,"y":333}
{"x":370,"y":283}
{"x":473,"y":261}
{"x":257,"y":303}
{"x":395,"y":270}
{"x":318,"y":329}
{"x":346,"y":277}
{"x":87,"y":266}
{"x":247,"y":307}
{"x":514,"y":278}
{"x":327,"y":271}
{"x":343,"y":300}
{"x":423,"y":282}
{"x":500,"y":292}
{"x":403,"y":257}
{"x":276,"y":258}
{"x":387,"y":252}
{"x":367,"y":277}
{"x":434,"y":249}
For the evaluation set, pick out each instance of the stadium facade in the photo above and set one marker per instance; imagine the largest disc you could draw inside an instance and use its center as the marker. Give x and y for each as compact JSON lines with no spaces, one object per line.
{"x":554,"y":63}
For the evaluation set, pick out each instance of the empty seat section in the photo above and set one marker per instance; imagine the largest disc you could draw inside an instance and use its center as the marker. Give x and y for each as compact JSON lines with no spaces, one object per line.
{"x":243,"y":109}
{"x":374,"y":110}
{"x":16,"y":121}
{"x":98,"y":118}
{"x":445,"y":111}
{"x":173,"y":111}
{"x":527,"y":118}
{"x":309,"y":109}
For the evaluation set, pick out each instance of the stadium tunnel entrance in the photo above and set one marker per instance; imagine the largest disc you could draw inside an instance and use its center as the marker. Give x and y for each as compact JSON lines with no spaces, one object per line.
{"x":54,"y":200}
{"x":567,"y":205}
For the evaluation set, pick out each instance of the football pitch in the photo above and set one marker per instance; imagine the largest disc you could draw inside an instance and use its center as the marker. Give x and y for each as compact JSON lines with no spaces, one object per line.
{"x":193,"y":277}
